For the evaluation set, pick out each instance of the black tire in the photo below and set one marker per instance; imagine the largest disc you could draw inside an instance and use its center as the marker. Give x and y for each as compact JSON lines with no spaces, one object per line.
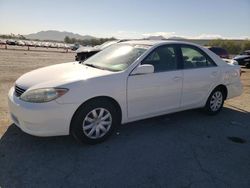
{"x":209,"y":108}
{"x":247,"y":65}
{"x":76,"y":127}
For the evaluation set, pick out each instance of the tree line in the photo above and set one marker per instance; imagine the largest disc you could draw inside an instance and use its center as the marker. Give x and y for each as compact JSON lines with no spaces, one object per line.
{"x":87,"y":42}
{"x":13,"y":36}
{"x":232,"y":46}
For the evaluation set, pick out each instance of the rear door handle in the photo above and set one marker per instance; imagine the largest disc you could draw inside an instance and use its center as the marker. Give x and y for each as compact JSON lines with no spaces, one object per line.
{"x":177,"y":78}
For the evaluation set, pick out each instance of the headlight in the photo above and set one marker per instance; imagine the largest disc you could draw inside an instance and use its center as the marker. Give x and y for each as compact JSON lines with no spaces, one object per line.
{"x":43,"y":95}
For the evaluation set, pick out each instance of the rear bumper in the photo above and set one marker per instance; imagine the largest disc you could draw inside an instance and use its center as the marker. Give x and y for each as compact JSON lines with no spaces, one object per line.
{"x":234,"y":90}
{"x":40,"y":119}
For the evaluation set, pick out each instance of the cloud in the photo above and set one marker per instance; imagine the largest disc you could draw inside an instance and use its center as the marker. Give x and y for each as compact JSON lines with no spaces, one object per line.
{"x":127,"y":34}
{"x":164,"y":34}
{"x":123,"y":34}
{"x":245,"y":37}
{"x":208,"y":36}
{"x":138,"y":35}
{"x":173,"y":34}
{"x":216,"y":36}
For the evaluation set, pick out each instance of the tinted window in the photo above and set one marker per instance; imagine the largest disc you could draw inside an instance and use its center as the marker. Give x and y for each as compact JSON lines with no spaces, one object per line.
{"x":192,"y":58}
{"x":163,"y":59}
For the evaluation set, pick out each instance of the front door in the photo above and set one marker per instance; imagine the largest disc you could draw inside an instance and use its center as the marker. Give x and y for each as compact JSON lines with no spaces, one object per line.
{"x":150,"y":94}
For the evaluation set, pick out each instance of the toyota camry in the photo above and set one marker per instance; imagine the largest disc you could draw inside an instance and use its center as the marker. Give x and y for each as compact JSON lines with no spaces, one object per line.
{"x":125,"y":82}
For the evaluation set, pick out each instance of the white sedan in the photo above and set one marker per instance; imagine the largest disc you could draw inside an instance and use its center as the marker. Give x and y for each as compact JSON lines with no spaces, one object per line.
{"x":125,"y":82}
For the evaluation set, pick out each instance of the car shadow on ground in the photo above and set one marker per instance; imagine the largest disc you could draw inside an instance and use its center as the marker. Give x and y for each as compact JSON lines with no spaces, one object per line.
{"x":186,"y":149}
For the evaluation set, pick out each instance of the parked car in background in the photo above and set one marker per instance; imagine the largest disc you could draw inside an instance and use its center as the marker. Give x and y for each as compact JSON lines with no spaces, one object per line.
{"x":243,"y":58}
{"x":20,"y":43}
{"x":125,"y":82}
{"x":2,"y":41}
{"x":74,"y":47}
{"x":220,"y":52}
{"x":10,"y":42}
{"x":84,"y":53}
{"x":29,"y":43}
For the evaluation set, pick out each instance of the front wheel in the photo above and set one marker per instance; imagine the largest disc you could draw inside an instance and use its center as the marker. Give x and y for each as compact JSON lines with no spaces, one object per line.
{"x":215,"y":102}
{"x":94,"y":121}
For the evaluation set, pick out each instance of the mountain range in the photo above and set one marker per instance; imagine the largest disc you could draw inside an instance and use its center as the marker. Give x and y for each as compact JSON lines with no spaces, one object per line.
{"x":56,"y":35}
{"x":60,"y":35}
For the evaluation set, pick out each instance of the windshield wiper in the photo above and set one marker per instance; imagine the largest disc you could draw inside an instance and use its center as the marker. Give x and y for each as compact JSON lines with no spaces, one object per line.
{"x":91,"y":65}
{"x":95,"y":66}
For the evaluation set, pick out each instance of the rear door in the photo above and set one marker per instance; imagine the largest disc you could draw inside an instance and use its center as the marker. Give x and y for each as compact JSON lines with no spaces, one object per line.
{"x":200,"y":74}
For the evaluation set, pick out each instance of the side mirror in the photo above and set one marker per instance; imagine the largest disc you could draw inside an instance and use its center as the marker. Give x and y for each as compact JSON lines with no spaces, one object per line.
{"x":143,"y":69}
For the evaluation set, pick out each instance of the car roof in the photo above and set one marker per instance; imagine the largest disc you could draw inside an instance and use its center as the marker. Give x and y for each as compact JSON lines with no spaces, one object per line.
{"x":156,"y":43}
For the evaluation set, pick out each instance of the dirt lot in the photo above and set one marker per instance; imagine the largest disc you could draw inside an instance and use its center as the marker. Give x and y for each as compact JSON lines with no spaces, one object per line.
{"x":17,"y":61}
{"x":186,"y":149}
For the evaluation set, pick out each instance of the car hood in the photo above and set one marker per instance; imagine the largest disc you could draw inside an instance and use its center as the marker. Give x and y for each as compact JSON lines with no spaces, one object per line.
{"x":241,"y":56}
{"x":59,"y":74}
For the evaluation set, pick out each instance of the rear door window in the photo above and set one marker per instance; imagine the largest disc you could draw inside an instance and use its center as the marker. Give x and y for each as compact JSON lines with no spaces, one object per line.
{"x":193,"y":58}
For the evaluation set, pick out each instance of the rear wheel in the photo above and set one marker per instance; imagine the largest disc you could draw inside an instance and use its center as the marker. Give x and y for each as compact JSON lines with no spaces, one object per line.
{"x":215,"y":102}
{"x":94,"y":121}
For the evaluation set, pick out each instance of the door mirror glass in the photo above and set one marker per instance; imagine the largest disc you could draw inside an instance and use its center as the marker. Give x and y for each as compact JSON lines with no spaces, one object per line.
{"x":143,"y":69}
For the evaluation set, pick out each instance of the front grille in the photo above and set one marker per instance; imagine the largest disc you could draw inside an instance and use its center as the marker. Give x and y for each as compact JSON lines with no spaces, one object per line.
{"x":19,"y":91}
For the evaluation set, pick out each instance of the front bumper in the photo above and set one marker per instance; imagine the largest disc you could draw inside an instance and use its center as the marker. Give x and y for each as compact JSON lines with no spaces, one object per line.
{"x":41,"y":119}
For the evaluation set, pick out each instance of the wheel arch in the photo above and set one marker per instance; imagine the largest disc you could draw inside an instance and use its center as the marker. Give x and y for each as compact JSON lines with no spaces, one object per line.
{"x":100,"y":98}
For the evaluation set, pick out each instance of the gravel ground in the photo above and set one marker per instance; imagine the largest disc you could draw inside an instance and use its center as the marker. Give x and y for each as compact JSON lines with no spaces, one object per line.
{"x":186,"y":149}
{"x":17,"y":61}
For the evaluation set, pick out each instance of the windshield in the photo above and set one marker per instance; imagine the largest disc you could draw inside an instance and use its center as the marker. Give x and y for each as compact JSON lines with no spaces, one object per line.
{"x":117,"y":57}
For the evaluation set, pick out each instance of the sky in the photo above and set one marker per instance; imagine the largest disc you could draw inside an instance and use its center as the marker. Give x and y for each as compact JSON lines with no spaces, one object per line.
{"x":129,"y":18}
